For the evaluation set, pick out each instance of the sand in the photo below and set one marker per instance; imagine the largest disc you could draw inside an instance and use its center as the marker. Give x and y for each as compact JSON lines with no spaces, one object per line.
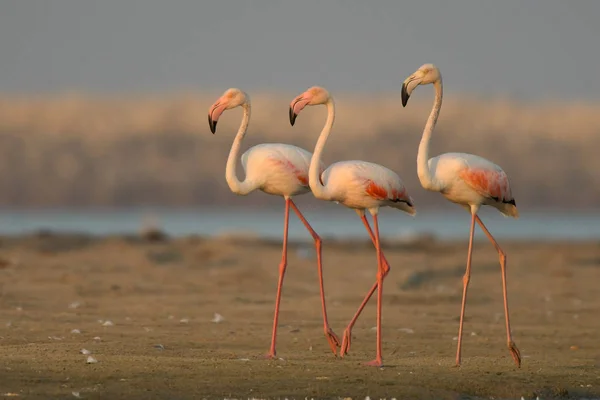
{"x":146,"y":312}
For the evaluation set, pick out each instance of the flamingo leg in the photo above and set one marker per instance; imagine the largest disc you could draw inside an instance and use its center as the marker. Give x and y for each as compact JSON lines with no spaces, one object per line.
{"x":282,"y":265}
{"x":378,"y":361}
{"x":332,"y":338}
{"x":347,"y":338}
{"x":466,"y":279}
{"x":512,"y":347}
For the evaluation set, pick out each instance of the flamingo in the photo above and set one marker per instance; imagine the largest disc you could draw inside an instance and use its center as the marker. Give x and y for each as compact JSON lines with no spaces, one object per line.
{"x":358,"y":185}
{"x":277,"y":169}
{"x":467,"y":180}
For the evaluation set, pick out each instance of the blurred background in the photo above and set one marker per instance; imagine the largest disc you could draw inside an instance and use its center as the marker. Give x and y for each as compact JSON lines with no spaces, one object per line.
{"x":103,"y":109}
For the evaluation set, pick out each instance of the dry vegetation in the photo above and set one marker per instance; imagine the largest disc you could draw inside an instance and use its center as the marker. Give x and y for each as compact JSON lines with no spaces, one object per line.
{"x":72,"y":150}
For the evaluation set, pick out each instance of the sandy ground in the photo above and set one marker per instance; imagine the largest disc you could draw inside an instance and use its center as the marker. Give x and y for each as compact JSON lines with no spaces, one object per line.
{"x":161,"y":343}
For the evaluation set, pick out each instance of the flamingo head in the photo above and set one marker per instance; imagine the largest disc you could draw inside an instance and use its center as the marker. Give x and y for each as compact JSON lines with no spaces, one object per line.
{"x":314,"y":96}
{"x":426,"y":74}
{"x":230,"y":99}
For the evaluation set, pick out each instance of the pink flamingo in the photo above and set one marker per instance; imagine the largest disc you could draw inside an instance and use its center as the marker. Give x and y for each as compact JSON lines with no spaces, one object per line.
{"x":467,"y":180}
{"x":359,"y":185}
{"x":277,"y":169}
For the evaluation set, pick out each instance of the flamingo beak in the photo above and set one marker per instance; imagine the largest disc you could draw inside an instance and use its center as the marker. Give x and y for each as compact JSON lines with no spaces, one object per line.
{"x":297,"y":105}
{"x":409,"y":85}
{"x":214,"y":113}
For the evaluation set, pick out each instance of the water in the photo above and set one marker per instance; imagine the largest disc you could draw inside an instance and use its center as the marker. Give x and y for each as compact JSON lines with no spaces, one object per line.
{"x":335,"y":222}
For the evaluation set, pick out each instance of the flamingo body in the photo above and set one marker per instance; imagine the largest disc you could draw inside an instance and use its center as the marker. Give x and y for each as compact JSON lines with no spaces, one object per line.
{"x":363,"y":185}
{"x":358,"y":185}
{"x":468,"y":179}
{"x":278,"y":169}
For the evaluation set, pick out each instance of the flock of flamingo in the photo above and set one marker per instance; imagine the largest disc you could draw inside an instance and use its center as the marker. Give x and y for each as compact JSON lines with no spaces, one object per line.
{"x":285,"y":170}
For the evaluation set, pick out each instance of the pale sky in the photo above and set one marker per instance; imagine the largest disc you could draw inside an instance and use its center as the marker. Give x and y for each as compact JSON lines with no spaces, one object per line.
{"x":524,"y":48}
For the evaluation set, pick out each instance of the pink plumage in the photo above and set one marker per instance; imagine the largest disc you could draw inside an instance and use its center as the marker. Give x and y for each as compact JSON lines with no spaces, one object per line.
{"x":470,"y":180}
{"x":363,"y":186}
{"x":278,"y":169}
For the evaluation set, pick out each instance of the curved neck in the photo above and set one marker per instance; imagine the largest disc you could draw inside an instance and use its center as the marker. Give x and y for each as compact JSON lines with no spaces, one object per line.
{"x":427,"y":179}
{"x":314,"y":180}
{"x":234,"y":183}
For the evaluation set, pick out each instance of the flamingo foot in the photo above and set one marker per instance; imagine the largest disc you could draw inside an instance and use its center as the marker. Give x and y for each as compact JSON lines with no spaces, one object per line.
{"x":346,"y":342}
{"x":515,"y":353}
{"x":375,"y":363}
{"x":271,"y":355}
{"x":332,"y":338}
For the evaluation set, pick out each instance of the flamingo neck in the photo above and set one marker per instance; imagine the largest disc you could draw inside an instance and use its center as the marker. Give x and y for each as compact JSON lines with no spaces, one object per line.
{"x":314,"y":181}
{"x":427,"y":179}
{"x":237,"y":187}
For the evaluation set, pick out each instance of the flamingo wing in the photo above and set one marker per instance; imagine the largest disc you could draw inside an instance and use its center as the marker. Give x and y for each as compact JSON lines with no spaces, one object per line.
{"x":489,"y":183}
{"x":285,"y":163}
{"x":380,"y":192}
{"x":382,"y":183}
{"x":283,"y":157}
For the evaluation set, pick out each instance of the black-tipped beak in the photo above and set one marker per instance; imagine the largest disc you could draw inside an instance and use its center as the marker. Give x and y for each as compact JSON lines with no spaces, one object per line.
{"x":293,"y":116}
{"x":212,"y":124}
{"x":405,"y":95}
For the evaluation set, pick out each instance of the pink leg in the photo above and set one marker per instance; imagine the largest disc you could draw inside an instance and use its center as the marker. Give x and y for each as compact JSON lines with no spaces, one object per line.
{"x":282,"y":265}
{"x":347,"y":338}
{"x":512,"y":347}
{"x":378,"y":361}
{"x":466,"y":279}
{"x":332,"y":338}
